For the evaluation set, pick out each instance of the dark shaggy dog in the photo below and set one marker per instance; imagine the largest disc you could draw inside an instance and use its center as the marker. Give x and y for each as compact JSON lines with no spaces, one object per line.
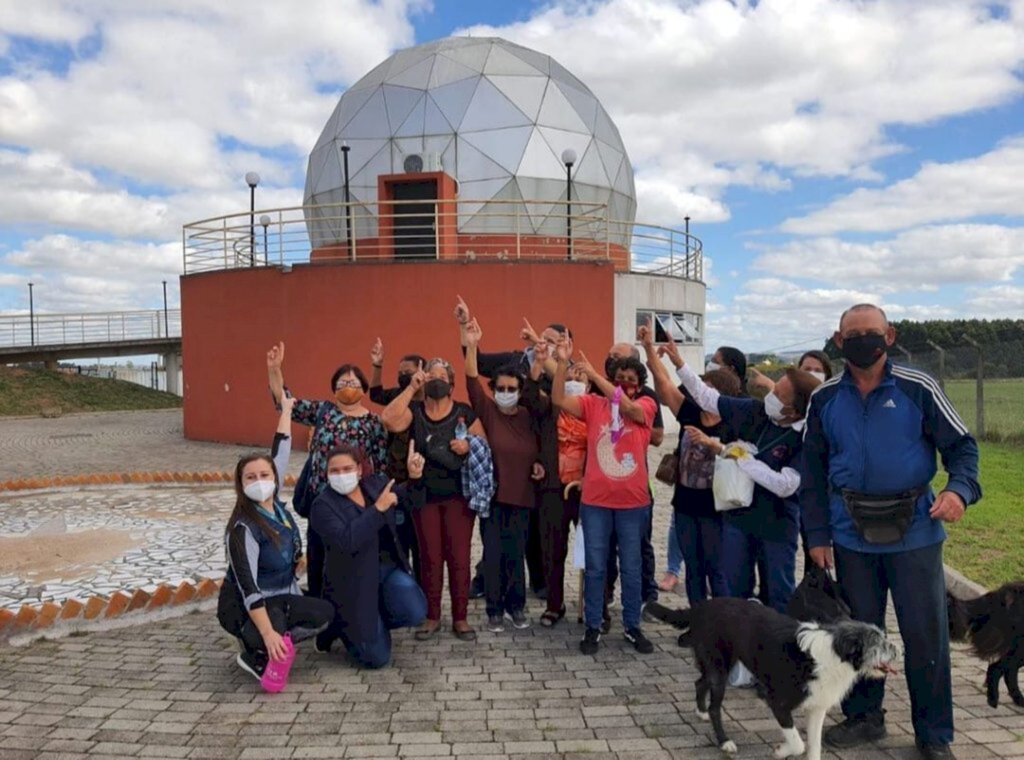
{"x":797,"y":664}
{"x":994,"y":626}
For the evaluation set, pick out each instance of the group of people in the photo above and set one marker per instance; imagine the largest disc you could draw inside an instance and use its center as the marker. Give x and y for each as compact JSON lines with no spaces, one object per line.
{"x":548,"y":441}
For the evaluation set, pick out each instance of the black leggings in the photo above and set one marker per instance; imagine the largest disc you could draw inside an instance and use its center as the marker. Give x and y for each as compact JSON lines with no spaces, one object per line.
{"x":301,"y":616}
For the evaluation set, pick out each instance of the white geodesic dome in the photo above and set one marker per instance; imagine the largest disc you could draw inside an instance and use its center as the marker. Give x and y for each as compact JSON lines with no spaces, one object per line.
{"x":493,"y":115}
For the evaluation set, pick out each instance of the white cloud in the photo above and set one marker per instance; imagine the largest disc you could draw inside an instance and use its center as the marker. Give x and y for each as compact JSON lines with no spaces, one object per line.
{"x":919,"y":259}
{"x":81,"y":275}
{"x":990,"y":184}
{"x":999,"y":302}
{"x":807,"y":86}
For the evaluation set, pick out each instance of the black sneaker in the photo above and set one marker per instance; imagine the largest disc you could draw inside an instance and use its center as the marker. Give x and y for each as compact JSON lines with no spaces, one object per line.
{"x":591,"y":641}
{"x":476,"y":588}
{"x":322,"y":643}
{"x":495,"y":623}
{"x":934,"y":751}
{"x":853,"y":732}
{"x":519,"y":620}
{"x":640,"y":643}
{"x":253,"y":664}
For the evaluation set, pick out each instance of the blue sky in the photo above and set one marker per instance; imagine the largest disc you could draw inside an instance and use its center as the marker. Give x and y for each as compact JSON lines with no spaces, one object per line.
{"x":828,"y":151}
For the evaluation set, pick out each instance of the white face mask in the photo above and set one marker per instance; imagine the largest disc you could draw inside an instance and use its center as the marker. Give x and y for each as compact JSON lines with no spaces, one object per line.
{"x":344,"y":483}
{"x":817,"y":374}
{"x":575,"y":388}
{"x":712,"y":366}
{"x":773,"y":406}
{"x":260,"y":490}
{"x":506,"y":399}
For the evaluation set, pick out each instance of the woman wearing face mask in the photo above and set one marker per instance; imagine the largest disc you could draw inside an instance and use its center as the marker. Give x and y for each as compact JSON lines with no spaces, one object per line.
{"x":698,"y":526}
{"x":558,"y":506}
{"x":768,"y":528}
{"x":514,"y":448}
{"x":260,"y":599}
{"x":343,"y":421}
{"x":616,"y":494}
{"x":732,"y":359}
{"x":815,"y":363}
{"x":366,"y":575}
{"x":441,"y":429}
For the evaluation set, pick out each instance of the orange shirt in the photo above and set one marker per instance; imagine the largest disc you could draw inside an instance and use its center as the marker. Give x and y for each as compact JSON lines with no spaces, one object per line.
{"x":572,"y":448}
{"x":616,"y":473}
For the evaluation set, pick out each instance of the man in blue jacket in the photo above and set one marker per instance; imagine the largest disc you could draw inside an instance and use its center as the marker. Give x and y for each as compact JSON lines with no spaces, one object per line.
{"x":867,"y":505}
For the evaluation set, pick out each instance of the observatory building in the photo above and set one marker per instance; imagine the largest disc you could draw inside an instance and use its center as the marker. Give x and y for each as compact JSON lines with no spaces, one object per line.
{"x":467,"y":166}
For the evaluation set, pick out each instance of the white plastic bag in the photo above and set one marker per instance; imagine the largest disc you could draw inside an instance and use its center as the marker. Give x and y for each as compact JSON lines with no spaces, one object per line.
{"x":733,"y":488}
{"x":579,"y":560}
{"x":740,"y":677}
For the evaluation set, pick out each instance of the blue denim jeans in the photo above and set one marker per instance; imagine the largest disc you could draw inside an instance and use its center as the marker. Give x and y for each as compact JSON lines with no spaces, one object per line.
{"x":629,"y":526}
{"x":402,"y":605}
{"x":918,"y":586}
{"x":740,"y":552}
{"x":700,"y":544}
{"x":674,"y":562}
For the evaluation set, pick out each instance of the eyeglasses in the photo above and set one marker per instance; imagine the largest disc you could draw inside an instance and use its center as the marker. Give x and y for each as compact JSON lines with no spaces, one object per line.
{"x":347,"y":384}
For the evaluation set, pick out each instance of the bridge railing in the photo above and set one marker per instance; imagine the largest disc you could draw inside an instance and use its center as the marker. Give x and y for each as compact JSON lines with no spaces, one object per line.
{"x":466,"y":229}
{"x":17,"y":330}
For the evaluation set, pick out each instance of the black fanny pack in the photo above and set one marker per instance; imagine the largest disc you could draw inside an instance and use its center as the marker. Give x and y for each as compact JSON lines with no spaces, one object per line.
{"x":882,"y":519}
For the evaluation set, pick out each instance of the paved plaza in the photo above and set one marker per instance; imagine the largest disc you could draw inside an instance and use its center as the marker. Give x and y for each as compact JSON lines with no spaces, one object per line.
{"x":170,"y":688}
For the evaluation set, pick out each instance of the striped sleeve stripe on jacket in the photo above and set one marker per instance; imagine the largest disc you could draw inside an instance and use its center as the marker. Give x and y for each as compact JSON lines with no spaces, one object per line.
{"x":942,"y":402}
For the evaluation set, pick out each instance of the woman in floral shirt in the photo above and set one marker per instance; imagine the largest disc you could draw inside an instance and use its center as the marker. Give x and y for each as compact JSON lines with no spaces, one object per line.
{"x":343,"y":420}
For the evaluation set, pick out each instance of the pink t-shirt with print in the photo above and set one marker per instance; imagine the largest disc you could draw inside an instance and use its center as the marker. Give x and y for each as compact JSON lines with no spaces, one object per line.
{"x":616,"y":473}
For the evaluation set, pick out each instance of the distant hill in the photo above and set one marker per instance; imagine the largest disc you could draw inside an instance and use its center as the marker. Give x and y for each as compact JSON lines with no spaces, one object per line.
{"x":49,"y":393}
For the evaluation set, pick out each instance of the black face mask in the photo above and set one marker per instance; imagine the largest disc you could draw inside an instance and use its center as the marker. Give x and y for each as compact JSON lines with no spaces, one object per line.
{"x":403,"y":380}
{"x":864,"y":350}
{"x":437,"y":389}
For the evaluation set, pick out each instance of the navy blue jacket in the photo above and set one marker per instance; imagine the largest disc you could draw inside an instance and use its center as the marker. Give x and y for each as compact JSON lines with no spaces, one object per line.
{"x":353,"y":545}
{"x":881,"y":445}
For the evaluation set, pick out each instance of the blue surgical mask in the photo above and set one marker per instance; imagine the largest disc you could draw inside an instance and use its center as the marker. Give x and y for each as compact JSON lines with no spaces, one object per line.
{"x":344,"y":483}
{"x":506,"y":399}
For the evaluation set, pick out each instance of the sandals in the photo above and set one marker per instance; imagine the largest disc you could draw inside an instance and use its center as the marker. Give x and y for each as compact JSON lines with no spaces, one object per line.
{"x":466,"y":634}
{"x":549,"y":619}
{"x":426,"y":633}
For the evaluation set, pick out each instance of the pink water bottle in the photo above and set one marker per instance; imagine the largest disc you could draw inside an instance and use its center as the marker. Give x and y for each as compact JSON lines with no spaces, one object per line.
{"x":275,"y":675}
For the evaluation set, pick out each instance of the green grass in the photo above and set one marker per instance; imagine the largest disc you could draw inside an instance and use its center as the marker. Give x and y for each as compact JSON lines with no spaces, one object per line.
{"x":987,"y":545}
{"x":1004,"y":407}
{"x":40,"y":391}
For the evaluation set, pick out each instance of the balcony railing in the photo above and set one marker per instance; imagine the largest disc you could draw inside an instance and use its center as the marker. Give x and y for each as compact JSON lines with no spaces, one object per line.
{"x":95,"y":327}
{"x":495,"y":230}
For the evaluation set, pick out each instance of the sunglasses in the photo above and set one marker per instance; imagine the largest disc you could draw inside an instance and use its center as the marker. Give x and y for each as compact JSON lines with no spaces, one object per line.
{"x":506,"y":388}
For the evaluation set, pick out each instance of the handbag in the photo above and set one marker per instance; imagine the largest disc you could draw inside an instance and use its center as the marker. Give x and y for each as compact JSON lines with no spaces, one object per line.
{"x":732,"y":488}
{"x":668,"y":469}
{"x":818,"y":598}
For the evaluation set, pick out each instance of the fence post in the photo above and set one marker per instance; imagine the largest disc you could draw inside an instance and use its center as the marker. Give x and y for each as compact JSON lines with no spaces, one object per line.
{"x":942,"y":362}
{"x":905,"y":352}
{"x":979,"y":392}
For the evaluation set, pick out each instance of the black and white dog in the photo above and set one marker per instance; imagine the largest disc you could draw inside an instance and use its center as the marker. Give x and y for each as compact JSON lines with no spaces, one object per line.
{"x":809,"y":665}
{"x":994,"y":625}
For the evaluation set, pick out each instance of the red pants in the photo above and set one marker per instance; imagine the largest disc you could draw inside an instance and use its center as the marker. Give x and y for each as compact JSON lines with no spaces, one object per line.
{"x":444,"y":530}
{"x":556,"y":518}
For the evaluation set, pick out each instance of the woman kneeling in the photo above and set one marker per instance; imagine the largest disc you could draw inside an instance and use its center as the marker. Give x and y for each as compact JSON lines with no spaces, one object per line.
{"x":366,"y":574}
{"x":260,"y":600}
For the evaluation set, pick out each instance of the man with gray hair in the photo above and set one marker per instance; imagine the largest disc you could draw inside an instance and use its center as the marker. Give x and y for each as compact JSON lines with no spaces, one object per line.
{"x":867,"y":504}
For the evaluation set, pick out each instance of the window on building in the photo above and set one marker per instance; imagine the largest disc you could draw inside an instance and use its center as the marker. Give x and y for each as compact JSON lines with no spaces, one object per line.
{"x":686,"y":328}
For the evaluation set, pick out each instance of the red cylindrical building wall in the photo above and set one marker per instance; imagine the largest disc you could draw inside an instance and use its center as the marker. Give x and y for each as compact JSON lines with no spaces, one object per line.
{"x":331,"y":314}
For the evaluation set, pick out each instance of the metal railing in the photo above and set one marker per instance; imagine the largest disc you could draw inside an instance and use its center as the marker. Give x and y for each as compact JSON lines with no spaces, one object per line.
{"x":463,"y":229}
{"x":18,"y":330}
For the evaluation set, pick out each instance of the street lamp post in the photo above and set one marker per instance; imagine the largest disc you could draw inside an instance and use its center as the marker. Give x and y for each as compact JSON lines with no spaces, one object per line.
{"x":348,"y":208}
{"x":167,"y":330}
{"x":568,"y":158}
{"x":31,"y":316}
{"x":252,"y":179}
{"x":265,"y":221}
